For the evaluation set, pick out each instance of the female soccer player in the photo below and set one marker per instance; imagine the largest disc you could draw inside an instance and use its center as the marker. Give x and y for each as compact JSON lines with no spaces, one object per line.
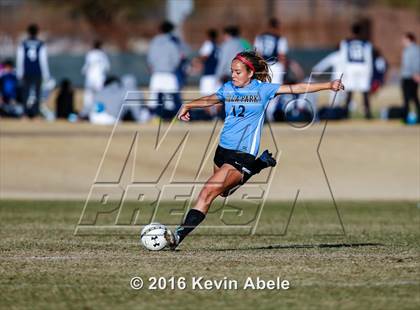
{"x":245,"y":99}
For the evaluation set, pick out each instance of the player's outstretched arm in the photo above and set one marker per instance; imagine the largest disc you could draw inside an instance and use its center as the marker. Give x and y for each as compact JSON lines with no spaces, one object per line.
{"x":302,"y":88}
{"x":203,"y":102}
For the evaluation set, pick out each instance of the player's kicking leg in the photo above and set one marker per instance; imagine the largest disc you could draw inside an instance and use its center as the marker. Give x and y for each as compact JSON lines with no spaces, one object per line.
{"x":225,"y":177}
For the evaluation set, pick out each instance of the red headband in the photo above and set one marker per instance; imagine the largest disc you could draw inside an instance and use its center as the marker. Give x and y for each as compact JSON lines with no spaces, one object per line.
{"x":245,"y":61}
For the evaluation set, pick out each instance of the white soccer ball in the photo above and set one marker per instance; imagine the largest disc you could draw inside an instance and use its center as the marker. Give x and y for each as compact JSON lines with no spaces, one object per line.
{"x":152,"y":236}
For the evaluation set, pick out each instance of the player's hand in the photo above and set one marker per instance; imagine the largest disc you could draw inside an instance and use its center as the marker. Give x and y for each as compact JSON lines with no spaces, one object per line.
{"x":336,"y":85}
{"x":184,"y":114}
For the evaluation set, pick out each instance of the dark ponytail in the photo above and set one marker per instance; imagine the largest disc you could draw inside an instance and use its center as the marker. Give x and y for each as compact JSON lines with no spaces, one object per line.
{"x":262,"y":71}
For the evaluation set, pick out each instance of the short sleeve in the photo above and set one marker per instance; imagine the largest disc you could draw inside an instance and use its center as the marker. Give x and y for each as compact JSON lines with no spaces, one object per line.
{"x":282,"y":46}
{"x":221,"y":93}
{"x":206,"y":49}
{"x":268,"y":90}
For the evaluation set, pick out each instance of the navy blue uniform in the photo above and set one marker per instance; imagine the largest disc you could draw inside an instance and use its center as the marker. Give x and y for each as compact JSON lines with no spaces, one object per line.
{"x":210,"y":63}
{"x":32,"y":68}
{"x":31,"y":50}
{"x":270,"y":46}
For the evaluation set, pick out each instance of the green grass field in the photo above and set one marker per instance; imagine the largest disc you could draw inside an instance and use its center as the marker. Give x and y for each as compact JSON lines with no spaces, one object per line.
{"x":43,"y":265}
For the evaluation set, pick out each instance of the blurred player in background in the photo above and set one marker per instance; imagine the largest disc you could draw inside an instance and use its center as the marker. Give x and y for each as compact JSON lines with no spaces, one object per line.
{"x":410,"y":74}
{"x":64,"y":102}
{"x":163,"y":58}
{"x":95,"y":69}
{"x":9,"y":86}
{"x":380,"y":68}
{"x":209,"y":51}
{"x":209,"y":83}
{"x":245,"y":99}
{"x":273,"y":47}
{"x":181,"y":70}
{"x":32,"y":69}
{"x":129,"y":84}
{"x":356,"y":59}
{"x":230,"y":47}
{"x":246,"y":45}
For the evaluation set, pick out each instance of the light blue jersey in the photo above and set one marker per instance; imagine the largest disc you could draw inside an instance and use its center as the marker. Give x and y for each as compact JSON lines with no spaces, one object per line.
{"x":245,"y":109}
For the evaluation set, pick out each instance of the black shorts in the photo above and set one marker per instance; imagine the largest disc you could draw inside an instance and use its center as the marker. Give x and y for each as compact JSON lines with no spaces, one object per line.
{"x":241,"y":161}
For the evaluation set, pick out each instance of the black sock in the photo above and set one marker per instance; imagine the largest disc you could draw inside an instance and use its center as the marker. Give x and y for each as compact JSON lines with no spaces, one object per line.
{"x":193,"y":219}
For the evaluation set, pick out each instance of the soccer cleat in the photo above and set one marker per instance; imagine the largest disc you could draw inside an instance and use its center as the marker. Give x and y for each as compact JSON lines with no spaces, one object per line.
{"x":172,"y":239}
{"x":267,"y":158}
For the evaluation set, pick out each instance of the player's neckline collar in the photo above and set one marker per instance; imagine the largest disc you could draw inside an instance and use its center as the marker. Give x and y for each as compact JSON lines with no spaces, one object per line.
{"x":251,"y":84}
